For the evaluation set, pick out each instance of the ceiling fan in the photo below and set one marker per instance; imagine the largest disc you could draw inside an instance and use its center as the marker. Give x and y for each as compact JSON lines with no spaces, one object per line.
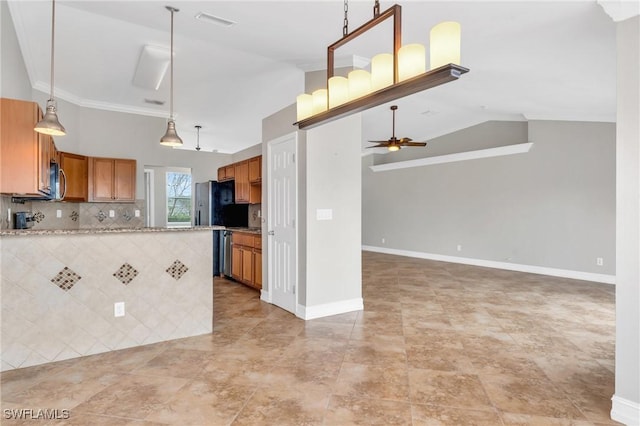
{"x":394,"y":144}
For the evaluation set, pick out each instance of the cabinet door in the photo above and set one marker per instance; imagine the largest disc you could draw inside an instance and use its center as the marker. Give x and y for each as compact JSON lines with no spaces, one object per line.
{"x":124,"y":180}
{"x":102,"y":182}
{"x":255,"y":169}
{"x":257,"y":268}
{"x":221,"y":175}
{"x":75,"y":169}
{"x":236,"y":262}
{"x":242,"y":182}
{"x":18,"y":147}
{"x":229,"y":172}
{"x":247,"y":266}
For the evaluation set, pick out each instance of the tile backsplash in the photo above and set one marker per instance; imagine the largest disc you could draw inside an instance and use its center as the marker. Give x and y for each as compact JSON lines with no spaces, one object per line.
{"x":68,"y":215}
{"x":255,"y":215}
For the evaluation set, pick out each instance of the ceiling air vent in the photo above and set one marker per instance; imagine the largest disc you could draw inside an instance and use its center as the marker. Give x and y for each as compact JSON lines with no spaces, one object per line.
{"x":207,"y":17}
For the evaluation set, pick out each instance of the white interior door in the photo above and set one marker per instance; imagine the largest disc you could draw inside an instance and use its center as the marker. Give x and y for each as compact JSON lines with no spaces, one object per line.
{"x":282,"y":197}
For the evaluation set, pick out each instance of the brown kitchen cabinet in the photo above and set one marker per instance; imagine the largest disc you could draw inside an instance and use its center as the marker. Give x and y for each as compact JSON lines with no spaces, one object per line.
{"x":75,"y":178}
{"x":226,"y":173}
{"x":25,"y":155}
{"x":255,"y":169}
{"x":245,"y":266}
{"x":112,"y":179}
{"x":242,"y":182}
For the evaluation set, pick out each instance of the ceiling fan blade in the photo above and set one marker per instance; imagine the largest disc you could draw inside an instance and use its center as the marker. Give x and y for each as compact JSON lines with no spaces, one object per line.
{"x":403,"y":140}
{"x":414,"y":144}
{"x":378,"y":146}
{"x":378,"y":141}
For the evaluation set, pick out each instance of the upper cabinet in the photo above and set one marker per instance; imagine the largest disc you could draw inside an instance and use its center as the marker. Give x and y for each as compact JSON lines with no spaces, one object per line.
{"x":255,"y":169}
{"x":112,"y":179}
{"x":75,"y":177}
{"x":25,"y":155}
{"x":248,"y":179}
{"x":226,"y":173}
{"x":242,"y":182}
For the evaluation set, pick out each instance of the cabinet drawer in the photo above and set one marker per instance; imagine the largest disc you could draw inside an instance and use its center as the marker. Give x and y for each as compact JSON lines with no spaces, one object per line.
{"x":257,"y":241}
{"x":242,"y":239}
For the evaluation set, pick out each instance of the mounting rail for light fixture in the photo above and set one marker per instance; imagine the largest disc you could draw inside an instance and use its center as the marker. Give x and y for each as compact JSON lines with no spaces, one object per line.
{"x":397,"y":90}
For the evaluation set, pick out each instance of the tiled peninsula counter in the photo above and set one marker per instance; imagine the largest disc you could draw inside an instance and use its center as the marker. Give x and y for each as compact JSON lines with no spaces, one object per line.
{"x":59,"y":289}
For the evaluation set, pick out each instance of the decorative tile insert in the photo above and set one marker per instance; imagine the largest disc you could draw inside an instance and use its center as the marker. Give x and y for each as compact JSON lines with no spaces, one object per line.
{"x":66,"y":279}
{"x":101,"y":216}
{"x":126,"y":273}
{"x":127,"y":216}
{"x":74,"y":216}
{"x":38,"y":217}
{"x":177,"y":269}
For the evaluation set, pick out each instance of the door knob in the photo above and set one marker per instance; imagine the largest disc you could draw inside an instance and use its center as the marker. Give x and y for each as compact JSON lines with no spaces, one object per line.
{"x":271,"y":233}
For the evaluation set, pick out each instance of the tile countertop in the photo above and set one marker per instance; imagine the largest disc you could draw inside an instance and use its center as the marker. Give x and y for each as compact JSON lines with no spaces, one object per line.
{"x":6,"y":232}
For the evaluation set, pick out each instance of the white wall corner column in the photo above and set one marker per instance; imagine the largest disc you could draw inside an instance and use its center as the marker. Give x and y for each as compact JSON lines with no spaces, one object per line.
{"x":626,"y":401}
{"x":333,"y":219}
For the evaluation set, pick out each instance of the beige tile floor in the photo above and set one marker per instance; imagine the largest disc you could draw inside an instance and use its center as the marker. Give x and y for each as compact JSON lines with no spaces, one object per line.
{"x":437,"y":344}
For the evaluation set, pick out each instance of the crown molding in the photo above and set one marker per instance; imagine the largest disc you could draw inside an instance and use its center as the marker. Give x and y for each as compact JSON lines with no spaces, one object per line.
{"x":620,"y":10}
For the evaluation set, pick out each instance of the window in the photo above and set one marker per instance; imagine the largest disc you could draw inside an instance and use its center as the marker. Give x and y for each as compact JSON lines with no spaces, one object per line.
{"x":178,"y":199}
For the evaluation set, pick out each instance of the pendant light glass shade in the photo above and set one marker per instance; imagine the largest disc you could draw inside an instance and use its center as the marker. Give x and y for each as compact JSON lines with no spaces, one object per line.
{"x":171,"y":137}
{"x":50,"y":125}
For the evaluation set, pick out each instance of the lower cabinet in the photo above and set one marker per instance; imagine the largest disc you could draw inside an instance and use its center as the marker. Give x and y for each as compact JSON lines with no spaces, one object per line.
{"x":246,"y":259}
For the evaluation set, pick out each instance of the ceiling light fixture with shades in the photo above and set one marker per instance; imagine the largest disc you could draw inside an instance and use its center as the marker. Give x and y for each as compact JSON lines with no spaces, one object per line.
{"x":50,"y":125}
{"x":393,"y":75}
{"x":171,"y":137}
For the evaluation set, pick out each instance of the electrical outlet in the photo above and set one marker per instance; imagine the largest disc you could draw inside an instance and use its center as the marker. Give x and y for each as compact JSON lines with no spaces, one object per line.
{"x":118,"y":309}
{"x":9,"y":215}
{"x":136,"y":213}
{"x":599,"y":261}
{"x":58,"y":213}
{"x":112,"y":213}
{"x":459,"y":248}
{"x":383,"y":240}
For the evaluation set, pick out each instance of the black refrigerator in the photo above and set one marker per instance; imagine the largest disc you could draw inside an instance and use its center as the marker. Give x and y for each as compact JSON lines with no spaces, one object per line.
{"x":215,"y":205}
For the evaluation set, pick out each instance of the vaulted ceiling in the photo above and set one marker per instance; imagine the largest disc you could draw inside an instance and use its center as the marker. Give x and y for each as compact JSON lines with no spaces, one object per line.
{"x":528,"y":60}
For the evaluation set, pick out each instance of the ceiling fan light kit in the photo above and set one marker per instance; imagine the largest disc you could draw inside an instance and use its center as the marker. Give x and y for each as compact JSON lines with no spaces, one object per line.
{"x":394,"y":144}
{"x":171,"y":137}
{"x":49,"y":124}
{"x":392,"y":76}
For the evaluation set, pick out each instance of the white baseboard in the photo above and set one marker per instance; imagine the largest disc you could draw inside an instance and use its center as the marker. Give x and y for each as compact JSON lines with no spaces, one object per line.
{"x":625,"y":411}
{"x":328,"y":309}
{"x":554,"y":272}
{"x":265,"y":296}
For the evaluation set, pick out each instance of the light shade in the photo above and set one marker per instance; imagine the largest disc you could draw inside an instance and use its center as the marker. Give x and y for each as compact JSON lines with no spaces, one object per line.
{"x":338,"y":91}
{"x":319,"y":100}
{"x":393,"y":148}
{"x":359,"y":84}
{"x":444,"y":47}
{"x":412,"y":60}
{"x":171,"y":137}
{"x":381,"y":71}
{"x":50,"y":125}
{"x":304,"y":106}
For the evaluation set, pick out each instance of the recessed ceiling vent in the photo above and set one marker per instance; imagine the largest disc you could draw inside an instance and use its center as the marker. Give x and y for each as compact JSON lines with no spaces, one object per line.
{"x":152,"y":66}
{"x":207,"y":17}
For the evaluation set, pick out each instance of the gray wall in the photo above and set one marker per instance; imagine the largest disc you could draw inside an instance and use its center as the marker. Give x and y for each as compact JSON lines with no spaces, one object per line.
{"x":14,"y":81}
{"x":551,"y":207}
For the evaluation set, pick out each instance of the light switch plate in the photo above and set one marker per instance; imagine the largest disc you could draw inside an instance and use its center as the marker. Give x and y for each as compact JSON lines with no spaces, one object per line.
{"x":136,"y":213}
{"x":112,"y":213}
{"x":324,"y":214}
{"x":118,"y":309}
{"x":58,"y":213}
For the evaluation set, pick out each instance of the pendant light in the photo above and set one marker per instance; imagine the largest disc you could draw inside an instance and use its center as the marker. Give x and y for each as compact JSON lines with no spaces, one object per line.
{"x":198,"y":127}
{"x":50,"y":125}
{"x":171,"y":137}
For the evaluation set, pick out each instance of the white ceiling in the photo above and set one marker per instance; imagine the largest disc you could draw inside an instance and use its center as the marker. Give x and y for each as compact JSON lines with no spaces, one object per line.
{"x":529,"y":60}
